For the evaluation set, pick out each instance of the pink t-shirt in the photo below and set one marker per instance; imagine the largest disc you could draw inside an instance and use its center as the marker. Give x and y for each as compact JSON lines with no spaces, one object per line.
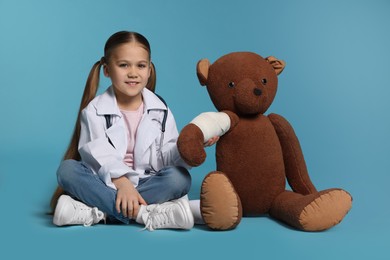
{"x":132,"y":119}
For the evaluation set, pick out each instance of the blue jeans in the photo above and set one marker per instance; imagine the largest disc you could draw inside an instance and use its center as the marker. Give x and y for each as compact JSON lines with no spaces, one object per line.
{"x":78,"y":181}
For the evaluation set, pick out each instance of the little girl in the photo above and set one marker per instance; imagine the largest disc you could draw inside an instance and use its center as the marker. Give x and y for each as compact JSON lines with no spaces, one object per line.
{"x":122,"y":162}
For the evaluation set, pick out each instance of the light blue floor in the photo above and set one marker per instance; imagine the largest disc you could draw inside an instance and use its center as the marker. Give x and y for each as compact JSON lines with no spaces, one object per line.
{"x":27,"y":231}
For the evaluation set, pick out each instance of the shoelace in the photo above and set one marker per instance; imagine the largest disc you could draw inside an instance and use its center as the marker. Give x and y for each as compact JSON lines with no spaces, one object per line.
{"x":158,"y":217}
{"x":89,"y":216}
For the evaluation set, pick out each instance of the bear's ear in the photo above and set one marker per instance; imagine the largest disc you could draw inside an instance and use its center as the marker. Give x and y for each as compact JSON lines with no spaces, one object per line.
{"x":202,"y":70}
{"x":278,"y":65}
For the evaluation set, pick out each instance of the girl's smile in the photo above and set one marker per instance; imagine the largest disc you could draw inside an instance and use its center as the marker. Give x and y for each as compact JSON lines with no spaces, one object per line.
{"x":132,"y":83}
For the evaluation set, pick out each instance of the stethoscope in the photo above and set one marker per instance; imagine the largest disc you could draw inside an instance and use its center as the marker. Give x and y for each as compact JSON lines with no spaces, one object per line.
{"x":153,"y":171}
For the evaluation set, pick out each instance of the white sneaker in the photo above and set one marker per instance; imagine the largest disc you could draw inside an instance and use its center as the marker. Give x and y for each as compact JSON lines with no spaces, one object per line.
{"x":172,"y":214}
{"x":73,"y":212}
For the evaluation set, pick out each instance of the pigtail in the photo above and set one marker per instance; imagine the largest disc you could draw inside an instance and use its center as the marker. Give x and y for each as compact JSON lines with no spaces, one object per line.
{"x":90,"y":90}
{"x":152,"y":78}
{"x":72,"y":152}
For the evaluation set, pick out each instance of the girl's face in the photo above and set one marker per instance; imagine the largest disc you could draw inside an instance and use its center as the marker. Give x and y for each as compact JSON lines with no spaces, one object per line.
{"x":129,"y":70}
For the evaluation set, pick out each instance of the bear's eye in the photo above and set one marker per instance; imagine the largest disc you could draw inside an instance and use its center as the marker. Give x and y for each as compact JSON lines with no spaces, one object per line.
{"x":231,"y":84}
{"x":264,"y":81}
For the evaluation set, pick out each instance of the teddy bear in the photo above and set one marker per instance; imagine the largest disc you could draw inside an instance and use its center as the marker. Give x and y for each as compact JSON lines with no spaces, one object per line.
{"x":256,"y":153}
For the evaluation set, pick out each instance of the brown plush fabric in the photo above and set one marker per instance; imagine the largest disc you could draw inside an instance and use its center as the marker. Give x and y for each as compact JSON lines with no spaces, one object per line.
{"x":249,"y":157}
{"x":191,"y":142}
{"x":258,"y":153}
{"x":296,"y":171}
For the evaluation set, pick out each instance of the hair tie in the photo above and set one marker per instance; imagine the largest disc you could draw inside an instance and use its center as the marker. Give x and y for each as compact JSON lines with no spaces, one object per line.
{"x":102,"y":61}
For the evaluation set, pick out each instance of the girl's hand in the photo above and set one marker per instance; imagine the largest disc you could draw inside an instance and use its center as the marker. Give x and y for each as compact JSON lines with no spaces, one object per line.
{"x":128,"y":200}
{"x":211,"y":141}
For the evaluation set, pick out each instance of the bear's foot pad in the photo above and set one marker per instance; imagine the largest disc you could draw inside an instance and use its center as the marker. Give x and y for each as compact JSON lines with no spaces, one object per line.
{"x":220,"y":204}
{"x":325,"y":211}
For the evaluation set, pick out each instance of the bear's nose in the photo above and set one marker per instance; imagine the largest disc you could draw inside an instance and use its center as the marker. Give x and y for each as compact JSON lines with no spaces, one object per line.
{"x":257,"y":91}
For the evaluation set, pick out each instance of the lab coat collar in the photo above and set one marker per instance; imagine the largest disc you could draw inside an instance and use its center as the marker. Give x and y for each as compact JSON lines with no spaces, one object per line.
{"x":151,"y":101}
{"x":107,"y":104}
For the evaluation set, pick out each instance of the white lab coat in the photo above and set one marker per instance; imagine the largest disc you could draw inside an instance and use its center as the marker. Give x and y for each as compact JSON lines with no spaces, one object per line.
{"x":106,"y":160}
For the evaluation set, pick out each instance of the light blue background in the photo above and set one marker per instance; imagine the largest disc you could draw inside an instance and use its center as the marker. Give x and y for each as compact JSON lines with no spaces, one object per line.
{"x":334,"y":91}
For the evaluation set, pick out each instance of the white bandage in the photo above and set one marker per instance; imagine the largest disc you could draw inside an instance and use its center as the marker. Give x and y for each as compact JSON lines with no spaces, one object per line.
{"x":212,"y":124}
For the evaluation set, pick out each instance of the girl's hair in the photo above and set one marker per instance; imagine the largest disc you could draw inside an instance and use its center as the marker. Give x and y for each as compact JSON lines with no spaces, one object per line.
{"x":92,"y":84}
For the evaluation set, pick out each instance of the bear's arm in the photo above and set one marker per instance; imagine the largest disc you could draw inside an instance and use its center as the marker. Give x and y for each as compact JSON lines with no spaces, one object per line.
{"x":205,"y":126}
{"x":190,"y":144}
{"x":294,"y":162}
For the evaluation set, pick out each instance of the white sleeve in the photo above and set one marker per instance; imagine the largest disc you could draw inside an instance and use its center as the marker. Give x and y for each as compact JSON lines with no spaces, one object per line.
{"x":212,"y":124}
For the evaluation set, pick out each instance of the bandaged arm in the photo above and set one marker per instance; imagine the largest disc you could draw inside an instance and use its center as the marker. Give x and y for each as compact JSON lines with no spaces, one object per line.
{"x":212,"y":124}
